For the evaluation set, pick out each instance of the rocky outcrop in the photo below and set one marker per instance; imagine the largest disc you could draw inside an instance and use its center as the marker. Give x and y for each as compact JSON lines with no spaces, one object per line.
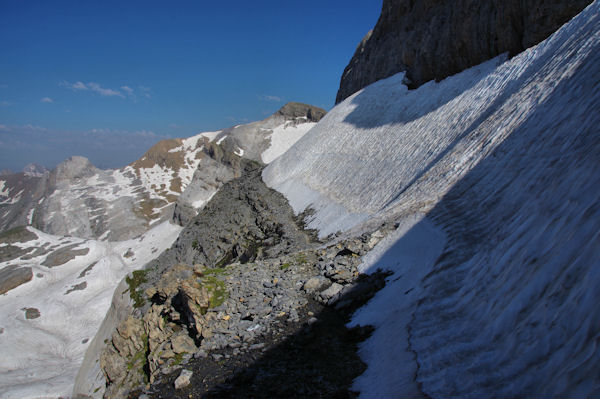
{"x":13,"y":276}
{"x":433,"y":39}
{"x":244,"y":221}
{"x":299,"y":110}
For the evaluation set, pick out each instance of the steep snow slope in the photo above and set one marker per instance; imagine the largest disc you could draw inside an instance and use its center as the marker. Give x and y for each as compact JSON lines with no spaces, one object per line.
{"x":42,"y":349}
{"x":496,"y":170}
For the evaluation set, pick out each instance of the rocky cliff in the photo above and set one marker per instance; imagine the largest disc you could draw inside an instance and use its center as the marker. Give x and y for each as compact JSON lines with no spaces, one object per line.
{"x":433,"y":39}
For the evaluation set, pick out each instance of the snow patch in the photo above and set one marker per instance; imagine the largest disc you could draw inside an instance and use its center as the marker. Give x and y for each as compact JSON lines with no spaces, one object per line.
{"x":282,"y":138}
{"x":41,"y":357}
{"x":4,"y":191}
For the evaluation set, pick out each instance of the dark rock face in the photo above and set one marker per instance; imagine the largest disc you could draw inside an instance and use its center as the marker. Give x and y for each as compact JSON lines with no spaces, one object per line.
{"x":433,"y":39}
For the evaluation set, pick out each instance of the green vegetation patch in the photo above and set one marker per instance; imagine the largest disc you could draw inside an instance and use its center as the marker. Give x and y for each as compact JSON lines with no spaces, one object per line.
{"x":301,"y":258}
{"x":178,"y":359}
{"x":216,"y":290}
{"x":215,"y":271}
{"x":139,"y":361}
{"x":285,"y":266}
{"x":137,"y":278}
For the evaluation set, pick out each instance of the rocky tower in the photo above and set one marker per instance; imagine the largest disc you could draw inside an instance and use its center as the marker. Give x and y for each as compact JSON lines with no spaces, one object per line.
{"x":413,"y":36}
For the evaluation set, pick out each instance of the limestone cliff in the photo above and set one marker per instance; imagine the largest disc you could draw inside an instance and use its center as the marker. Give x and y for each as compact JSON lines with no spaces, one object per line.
{"x":433,"y":39}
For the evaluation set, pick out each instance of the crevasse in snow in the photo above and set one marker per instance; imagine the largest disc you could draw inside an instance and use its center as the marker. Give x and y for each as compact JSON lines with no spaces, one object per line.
{"x":494,"y":175}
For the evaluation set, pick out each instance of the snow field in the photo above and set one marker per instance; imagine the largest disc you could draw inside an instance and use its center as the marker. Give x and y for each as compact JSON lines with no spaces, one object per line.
{"x":41,"y":357}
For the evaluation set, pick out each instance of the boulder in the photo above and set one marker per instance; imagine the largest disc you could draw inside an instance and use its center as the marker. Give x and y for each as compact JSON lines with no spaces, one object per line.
{"x":184,"y":379}
{"x":315,"y":284}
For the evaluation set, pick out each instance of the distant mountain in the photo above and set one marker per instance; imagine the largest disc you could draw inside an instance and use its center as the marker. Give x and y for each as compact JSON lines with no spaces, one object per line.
{"x":69,"y":236}
{"x":80,"y":200}
{"x":35,"y":170}
{"x":413,"y":36}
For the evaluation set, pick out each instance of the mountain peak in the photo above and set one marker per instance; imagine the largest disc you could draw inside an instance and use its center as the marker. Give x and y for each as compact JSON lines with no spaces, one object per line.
{"x":35,"y":170}
{"x":74,"y":167}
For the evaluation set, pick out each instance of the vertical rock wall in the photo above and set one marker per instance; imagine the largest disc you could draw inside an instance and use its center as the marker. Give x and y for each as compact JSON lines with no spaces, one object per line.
{"x":433,"y":39}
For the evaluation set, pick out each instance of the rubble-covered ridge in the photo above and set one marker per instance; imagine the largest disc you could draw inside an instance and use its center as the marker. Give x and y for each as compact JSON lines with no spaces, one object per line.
{"x":193,"y":309}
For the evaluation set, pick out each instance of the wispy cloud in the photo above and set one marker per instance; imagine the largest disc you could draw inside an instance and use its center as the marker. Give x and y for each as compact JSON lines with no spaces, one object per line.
{"x":4,"y":128}
{"x":46,"y":100}
{"x":102,"y":91}
{"x":93,"y":87}
{"x":127,"y":89}
{"x":146,"y":91}
{"x":5,"y":103}
{"x":266,"y":97}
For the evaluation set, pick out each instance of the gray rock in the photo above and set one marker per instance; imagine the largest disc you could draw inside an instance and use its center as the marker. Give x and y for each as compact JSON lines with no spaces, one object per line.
{"x":31,"y":313}
{"x":182,"y":343}
{"x":184,"y":379}
{"x":201,"y":354}
{"x":315,"y":284}
{"x":331,"y":291}
{"x":77,"y":287}
{"x":64,"y":255}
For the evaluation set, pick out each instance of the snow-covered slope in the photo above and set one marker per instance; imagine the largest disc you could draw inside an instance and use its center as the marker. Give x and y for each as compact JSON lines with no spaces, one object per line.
{"x":494,"y":178}
{"x":57,"y":288}
{"x":47,"y":323}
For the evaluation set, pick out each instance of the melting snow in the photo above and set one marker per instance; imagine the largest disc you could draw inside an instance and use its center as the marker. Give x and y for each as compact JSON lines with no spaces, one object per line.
{"x":40,"y":357}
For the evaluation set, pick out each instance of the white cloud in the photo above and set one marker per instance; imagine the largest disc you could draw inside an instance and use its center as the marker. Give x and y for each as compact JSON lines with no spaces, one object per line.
{"x":79,"y":86}
{"x":91,"y":86}
{"x":127,"y":90}
{"x":46,"y":100}
{"x":267,"y":97}
{"x":102,"y":91}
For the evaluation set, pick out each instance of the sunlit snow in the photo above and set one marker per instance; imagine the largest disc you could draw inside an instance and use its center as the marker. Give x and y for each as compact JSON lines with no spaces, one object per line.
{"x":40,"y":357}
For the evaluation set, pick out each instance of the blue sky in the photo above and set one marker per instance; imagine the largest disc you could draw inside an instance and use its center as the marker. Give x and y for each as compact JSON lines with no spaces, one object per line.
{"x":106,"y":79}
